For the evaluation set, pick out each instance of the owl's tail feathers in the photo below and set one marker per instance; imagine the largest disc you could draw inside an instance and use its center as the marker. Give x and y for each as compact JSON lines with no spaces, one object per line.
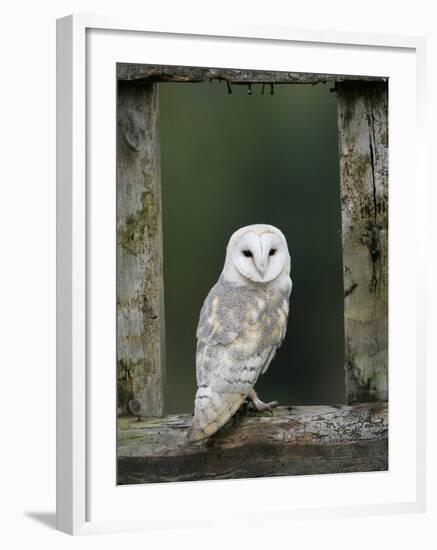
{"x":211,"y":412}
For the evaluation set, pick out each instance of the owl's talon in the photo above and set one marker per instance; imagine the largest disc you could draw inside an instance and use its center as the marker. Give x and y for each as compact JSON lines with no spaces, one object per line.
{"x":259,"y":405}
{"x":267,"y":406}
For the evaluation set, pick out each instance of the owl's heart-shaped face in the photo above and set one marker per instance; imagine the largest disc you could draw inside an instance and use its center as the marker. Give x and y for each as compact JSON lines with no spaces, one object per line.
{"x":259,"y":253}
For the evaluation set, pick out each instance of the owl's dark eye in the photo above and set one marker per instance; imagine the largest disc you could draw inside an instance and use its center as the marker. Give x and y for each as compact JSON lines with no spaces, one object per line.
{"x":247,"y":253}
{"x":272,"y":252}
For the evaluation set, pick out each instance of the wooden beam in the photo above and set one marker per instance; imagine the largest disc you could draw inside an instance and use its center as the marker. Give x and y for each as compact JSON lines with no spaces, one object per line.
{"x":169,"y":73}
{"x":294,"y":441}
{"x":363,"y":149}
{"x":140,"y":308}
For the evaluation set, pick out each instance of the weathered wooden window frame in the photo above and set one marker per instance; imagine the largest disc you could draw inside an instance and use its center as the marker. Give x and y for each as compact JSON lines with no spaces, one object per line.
{"x":85,"y":426}
{"x":343,"y":438}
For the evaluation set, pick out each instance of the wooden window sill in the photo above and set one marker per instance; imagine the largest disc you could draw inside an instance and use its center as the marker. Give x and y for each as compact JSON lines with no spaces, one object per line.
{"x":293,"y":441}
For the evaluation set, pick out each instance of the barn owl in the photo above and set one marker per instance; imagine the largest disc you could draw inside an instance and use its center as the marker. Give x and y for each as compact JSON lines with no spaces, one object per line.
{"x":242,"y":322}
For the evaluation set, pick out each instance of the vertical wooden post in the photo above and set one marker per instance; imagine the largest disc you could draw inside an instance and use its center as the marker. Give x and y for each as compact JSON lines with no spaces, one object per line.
{"x":140,"y":308}
{"x":363,"y":149}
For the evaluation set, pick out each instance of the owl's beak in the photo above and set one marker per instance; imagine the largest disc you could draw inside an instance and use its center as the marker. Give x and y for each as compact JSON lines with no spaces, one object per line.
{"x":261,"y":266}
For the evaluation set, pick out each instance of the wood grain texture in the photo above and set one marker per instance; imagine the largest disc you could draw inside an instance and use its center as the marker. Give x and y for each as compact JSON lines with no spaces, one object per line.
{"x":140,"y":308}
{"x":363,"y":144}
{"x":294,"y":441}
{"x":169,"y":73}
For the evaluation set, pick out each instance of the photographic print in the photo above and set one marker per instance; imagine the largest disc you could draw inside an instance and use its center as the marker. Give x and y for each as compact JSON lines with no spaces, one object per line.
{"x":252,"y":273}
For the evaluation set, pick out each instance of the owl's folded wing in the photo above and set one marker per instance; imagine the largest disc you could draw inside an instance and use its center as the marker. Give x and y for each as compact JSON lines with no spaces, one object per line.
{"x":219,"y":322}
{"x":231,"y":355}
{"x":227,"y":369}
{"x":225,"y":379}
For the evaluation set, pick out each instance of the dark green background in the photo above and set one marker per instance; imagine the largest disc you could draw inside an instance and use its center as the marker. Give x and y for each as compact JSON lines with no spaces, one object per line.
{"x":230,"y":160}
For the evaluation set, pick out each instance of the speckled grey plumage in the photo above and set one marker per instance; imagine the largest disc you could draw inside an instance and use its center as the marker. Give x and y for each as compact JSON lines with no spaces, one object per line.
{"x":239,"y":330}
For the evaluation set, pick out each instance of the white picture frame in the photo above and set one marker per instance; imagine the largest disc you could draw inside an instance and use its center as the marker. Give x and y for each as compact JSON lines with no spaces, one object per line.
{"x":87,"y":498}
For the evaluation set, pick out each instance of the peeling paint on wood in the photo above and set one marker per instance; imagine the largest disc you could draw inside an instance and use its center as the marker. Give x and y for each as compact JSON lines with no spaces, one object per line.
{"x":140,"y":314}
{"x":294,"y":441}
{"x":169,"y":73}
{"x":363,"y":144}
